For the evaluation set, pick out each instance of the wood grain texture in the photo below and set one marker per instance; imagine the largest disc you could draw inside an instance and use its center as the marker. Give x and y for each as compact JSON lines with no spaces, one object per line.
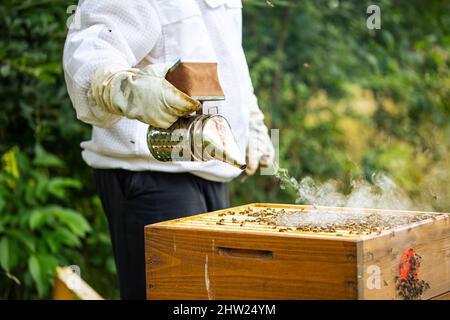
{"x":196,"y":258}
{"x":61,"y":291}
{"x":221,"y":265}
{"x":431,"y":240}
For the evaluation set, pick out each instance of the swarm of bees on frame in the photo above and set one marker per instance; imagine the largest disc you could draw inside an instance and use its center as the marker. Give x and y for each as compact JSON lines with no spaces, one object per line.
{"x":370,"y":223}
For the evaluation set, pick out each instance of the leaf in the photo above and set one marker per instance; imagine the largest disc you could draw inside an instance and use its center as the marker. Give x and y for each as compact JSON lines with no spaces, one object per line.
{"x":57,"y":186}
{"x":110,"y":265}
{"x":9,"y":161}
{"x":38,"y":275}
{"x":4,"y":254}
{"x":66,"y":237}
{"x":71,"y":218}
{"x":2,"y":204}
{"x":35,"y":268}
{"x":38,"y":218}
{"x":49,"y":264}
{"x":8,"y":254}
{"x":24,"y":237}
{"x":10,"y":166}
{"x":45,"y":159}
{"x":30,"y":193}
{"x":74,"y":220}
{"x":41,"y":189}
{"x":54,"y":242}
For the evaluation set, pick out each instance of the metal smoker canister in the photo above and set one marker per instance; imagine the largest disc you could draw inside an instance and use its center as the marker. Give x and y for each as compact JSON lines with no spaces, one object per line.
{"x":196,"y":138}
{"x":200,"y":137}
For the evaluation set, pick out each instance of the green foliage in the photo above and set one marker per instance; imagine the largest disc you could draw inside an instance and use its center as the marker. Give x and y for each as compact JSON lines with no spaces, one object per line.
{"x":349,"y":102}
{"x":54,"y":197}
{"x":38,"y":231}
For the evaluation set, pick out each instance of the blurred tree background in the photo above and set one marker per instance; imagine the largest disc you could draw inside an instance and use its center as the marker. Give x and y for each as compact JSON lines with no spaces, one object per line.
{"x":349,"y":102}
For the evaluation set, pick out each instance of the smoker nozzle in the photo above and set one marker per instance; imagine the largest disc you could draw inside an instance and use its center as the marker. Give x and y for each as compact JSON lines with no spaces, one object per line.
{"x":219,"y":143}
{"x":233,"y":162}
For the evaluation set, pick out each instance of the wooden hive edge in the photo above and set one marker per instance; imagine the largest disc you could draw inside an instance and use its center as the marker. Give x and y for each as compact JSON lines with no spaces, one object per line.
{"x":174,"y":227}
{"x":195,"y":217}
{"x":291,"y":206}
{"x":368,"y":210}
{"x":172,"y":224}
{"x":360,"y":244}
{"x":360,"y":280}
{"x":367,"y":242}
{"x":439,"y":216}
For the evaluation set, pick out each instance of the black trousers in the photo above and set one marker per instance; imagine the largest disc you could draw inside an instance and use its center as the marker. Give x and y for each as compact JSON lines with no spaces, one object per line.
{"x":132,"y":200}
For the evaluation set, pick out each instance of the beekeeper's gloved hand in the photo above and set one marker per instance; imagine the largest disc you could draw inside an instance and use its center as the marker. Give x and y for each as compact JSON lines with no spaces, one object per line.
{"x":260,"y":151}
{"x":144,"y":95}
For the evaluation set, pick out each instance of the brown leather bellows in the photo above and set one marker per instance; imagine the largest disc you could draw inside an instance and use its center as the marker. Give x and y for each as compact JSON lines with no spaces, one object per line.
{"x":198,"y":80}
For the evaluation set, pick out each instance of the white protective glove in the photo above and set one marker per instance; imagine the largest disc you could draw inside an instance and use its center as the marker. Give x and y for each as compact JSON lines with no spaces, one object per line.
{"x":144,"y":95}
{"x":260,"y":151}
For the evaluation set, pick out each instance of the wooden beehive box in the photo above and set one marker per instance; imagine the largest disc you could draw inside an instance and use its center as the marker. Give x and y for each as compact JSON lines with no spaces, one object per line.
{"x":236,"y":254}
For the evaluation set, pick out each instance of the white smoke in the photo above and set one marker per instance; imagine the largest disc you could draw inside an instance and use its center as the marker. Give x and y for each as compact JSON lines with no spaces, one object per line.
{"x":382,"y":193}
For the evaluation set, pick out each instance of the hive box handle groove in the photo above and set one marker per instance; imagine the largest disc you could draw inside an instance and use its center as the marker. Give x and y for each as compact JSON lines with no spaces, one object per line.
{"x":245,"y":253}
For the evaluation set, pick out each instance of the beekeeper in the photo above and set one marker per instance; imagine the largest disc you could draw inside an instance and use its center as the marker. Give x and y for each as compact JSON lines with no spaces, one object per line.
{"x":116,"y":56}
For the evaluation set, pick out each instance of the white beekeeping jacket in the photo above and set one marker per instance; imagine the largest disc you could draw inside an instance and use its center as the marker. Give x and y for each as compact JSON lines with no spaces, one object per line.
{"x":141,"y":32}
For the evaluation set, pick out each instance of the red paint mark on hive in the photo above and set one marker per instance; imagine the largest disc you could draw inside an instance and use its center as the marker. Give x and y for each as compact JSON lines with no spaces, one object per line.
{"x":409,"y":265}
{"x":408,"y":284}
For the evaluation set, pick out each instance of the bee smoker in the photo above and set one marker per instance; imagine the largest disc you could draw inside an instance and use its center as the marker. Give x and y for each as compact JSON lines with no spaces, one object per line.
{"x":199,"y":137}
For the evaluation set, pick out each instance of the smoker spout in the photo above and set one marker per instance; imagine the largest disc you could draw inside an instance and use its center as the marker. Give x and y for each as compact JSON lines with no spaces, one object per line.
{"x":234,"y":162}
{"x":219,"y":143}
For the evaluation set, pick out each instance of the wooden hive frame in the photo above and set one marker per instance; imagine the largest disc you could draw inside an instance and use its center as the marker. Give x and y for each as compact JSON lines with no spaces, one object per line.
{"x":200,"y":257}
